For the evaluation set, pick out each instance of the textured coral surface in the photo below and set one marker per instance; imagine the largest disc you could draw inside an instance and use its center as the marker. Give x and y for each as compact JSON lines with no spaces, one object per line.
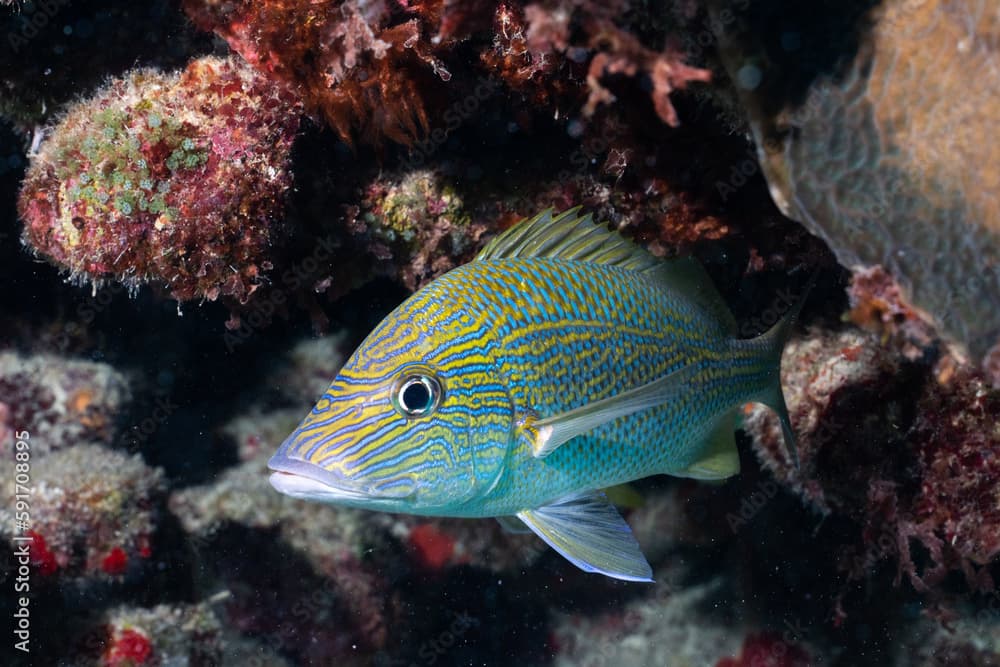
{"x":167,"y":178}
{"x":885,"y":155}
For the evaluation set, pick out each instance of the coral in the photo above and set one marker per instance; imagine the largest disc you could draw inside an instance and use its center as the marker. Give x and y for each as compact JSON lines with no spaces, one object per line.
{"x":770,"y":650}
{"x":127,"y":648}
{"x":619,"y":53}
{"x":170,"y":178}
{"x":627,"y":56}
{"x":327,"y":577}
{"x":363,"y":66}
{"x":969,"y":635}
{"x":884,"y":441}
{"x":878,"y":304}
{"x":162,"y":635}
{"x":420,"y":222}
{"x":529,"y":63}
{"x":94,"y":512}
{"x":667,"y":626}
{"x":826,"y":107}
{"x":60,"y":402}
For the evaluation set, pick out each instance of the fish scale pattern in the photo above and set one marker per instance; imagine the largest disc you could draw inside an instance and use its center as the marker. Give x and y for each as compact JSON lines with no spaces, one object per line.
{"x":512,"y":340}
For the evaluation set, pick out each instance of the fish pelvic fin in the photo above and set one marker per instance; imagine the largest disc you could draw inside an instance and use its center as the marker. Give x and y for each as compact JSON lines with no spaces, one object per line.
{"x":591,"y":534}
{"x":773,"y":343}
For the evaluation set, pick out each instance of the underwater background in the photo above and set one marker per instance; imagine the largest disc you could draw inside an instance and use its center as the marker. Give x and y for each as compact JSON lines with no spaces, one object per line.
{"x":208,"y":204}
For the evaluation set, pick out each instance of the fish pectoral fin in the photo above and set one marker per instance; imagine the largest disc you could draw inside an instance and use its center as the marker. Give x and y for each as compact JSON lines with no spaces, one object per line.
{"x":720,"y":458}
{"x":511,"y":524}
{"x":549,"y":433}
{"x":591,"y":534}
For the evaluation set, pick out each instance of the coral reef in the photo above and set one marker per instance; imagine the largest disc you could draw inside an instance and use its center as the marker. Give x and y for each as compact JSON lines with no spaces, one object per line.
{"x":363,"y":66}
{"x":419,"y":223}
{"x":884,"y":441}
{"x":888,"y":169}
{"x":160,"y":635}
{"x":64,"y":402}
{"x":93,"y":512}
{"x":169,"y":178}
{"x":416,"y":130}
{"x":665,"y":627}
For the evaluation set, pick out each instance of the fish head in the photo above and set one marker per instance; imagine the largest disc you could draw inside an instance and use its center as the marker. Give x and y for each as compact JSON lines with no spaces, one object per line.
{"x":417,"y":421}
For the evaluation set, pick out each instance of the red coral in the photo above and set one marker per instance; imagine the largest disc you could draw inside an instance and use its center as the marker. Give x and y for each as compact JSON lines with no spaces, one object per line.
{"x":41,"y":556}
{"x":768,"y":650}
{"x":130,"y":647}
{"x":364,"y":67}
{"x":433,"y":547}
{"x":115,"y":562}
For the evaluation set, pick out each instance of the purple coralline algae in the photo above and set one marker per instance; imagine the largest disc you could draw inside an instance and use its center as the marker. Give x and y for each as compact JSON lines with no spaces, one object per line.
{"x":882,"y":440}
{"x":173,"y":179}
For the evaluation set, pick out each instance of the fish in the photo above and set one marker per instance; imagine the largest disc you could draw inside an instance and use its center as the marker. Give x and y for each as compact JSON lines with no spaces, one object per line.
{"x":563,"y":360}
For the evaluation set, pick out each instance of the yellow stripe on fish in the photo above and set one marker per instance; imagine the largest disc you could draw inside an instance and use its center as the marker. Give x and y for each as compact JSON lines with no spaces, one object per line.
{"x":562,"y":361}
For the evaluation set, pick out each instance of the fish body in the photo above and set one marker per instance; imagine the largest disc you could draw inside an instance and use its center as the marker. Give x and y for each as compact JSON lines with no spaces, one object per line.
{"x":564,"y":360}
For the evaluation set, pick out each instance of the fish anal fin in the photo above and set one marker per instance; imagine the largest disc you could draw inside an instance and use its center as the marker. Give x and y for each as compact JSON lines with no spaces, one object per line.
{"x":511,"y":524}
{"x":591,"y":534}
{"x":719,"y":458}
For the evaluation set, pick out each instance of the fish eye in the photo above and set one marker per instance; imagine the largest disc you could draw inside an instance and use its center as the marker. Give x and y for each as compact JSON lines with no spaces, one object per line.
{"x":416,"y":394}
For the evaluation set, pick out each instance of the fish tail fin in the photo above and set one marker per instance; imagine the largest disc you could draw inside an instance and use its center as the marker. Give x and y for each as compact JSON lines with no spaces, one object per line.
{"x":773,"y":344}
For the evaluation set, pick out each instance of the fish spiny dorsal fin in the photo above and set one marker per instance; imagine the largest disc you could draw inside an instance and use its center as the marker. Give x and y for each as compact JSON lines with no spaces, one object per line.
{"x":570,"y":236}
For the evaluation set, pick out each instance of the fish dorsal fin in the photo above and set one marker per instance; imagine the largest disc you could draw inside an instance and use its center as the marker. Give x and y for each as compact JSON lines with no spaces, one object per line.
{"x":591,"y":534}
{"x":686,"y":275}
{"x":548,"y":434}
{"x":570,"y":236}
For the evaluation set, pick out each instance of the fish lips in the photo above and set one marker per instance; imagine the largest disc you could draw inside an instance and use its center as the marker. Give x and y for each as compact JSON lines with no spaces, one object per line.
{"x":301,"y":479}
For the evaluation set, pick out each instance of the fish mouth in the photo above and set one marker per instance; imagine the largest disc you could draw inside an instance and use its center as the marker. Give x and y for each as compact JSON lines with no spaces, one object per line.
{"x":301,"y":479}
